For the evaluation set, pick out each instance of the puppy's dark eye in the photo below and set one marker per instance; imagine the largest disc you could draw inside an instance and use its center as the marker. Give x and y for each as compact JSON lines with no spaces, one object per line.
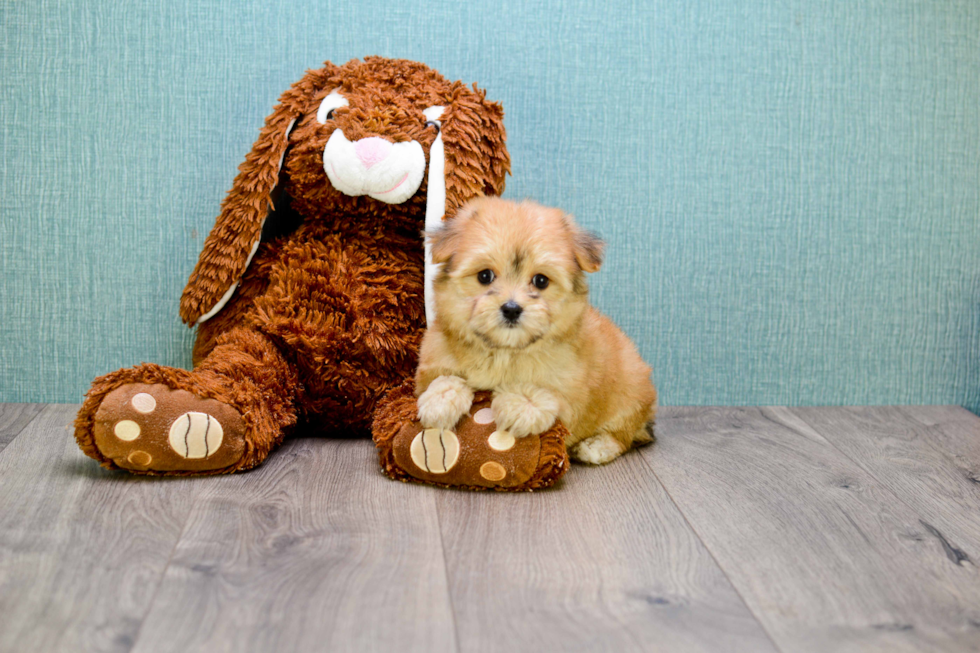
{"x":430,"y":123}
{"x":485,"y":277}
{"x":540,"y":281}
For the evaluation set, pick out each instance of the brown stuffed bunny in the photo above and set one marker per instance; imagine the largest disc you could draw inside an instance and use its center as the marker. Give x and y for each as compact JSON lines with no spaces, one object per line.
{"x":309,"y":294}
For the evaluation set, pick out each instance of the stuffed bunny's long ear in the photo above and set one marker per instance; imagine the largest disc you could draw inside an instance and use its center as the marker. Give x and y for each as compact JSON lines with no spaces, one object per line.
{"x":233,"y":241}
{"x":435,"y":206}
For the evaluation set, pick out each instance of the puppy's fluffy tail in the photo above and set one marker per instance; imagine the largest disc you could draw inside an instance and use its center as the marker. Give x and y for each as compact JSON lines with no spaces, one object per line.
{"x":644,"y":435}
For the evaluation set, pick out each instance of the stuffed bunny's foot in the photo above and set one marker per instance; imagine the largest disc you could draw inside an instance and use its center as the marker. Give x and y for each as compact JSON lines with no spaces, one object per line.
{"x":153,"y":428}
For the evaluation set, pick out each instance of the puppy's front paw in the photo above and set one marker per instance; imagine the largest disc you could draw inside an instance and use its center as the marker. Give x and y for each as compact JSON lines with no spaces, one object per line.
{"x":526,"y":411}
{"x":597,"y":450}
{"x":446,"y":400}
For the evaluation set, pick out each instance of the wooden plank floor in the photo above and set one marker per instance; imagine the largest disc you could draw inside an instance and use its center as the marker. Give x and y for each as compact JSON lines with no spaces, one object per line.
{"x":741,"y":529}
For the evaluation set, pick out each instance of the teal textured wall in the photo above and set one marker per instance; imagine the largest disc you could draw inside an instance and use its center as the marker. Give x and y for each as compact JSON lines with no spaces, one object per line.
{"x":790,"y":189}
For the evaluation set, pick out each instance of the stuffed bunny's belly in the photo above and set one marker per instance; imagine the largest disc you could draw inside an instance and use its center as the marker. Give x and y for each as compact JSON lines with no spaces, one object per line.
{"x":351,"y":319}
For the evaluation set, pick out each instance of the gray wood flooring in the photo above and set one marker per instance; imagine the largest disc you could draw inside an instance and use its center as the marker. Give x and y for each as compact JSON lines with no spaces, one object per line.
{"x":741,"y":529}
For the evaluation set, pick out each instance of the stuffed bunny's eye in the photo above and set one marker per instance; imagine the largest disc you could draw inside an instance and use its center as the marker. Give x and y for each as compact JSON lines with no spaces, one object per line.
{"x":432,"y":115}
{"x":331,"y":103}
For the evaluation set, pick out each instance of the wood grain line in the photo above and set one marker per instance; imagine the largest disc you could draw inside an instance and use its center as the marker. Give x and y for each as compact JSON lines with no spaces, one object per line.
{"x":314,"y":550}
{"x":82,"y":549}
{"x":742,"y":529}
{"x":604,"y":561}
{"x":926,"y":456}
{"x":14,"y":418}
{"x":825,"y":556}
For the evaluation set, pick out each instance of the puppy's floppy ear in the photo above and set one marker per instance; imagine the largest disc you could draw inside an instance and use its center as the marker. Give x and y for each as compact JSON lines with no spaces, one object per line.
{"x":235,"y":237}
{"x":443,"y":241}
{"x":588,"y":249}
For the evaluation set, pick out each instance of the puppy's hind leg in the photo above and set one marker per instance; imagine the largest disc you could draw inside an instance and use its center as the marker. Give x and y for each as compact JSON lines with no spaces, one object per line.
{"x":597,"y":450}
{"x":615,"y":437}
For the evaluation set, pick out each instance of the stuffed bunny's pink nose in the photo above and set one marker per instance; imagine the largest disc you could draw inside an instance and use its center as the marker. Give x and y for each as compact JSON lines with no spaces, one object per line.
{"x":372,"y":150}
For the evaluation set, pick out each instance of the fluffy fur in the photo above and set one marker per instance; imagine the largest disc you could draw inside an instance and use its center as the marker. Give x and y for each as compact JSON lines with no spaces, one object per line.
{"x":328,"y":315}
{"x":558,"y":358}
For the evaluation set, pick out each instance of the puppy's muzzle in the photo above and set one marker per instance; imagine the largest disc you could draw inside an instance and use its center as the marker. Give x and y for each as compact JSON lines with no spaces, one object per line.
{"x":511,"y":311}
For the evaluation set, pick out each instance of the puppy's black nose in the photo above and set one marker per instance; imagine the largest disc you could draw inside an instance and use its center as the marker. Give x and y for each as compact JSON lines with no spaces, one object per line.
{"x":511,"y":310}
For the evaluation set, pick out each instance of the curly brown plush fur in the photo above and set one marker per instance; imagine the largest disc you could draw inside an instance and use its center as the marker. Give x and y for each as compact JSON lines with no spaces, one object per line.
{"x":325,"y":319}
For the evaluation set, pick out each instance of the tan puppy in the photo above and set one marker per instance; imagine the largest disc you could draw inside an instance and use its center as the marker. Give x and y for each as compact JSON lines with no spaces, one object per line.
{"x":513,"y":317}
